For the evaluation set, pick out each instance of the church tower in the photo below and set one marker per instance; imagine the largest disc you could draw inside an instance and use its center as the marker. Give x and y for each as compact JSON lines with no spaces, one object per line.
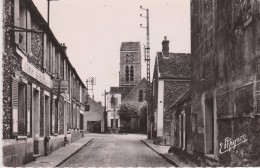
{"x":130,"y":64}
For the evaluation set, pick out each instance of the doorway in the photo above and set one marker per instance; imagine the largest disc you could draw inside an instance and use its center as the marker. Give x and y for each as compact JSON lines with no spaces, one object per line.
{"x":36,"y":120}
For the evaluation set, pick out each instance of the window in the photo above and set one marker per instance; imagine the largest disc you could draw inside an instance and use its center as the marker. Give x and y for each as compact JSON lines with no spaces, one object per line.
{"x":22,"y":20}
{"x":209,"y":126}
{"x":127,"y":74}
{"x":114,"y":102}
{"x":182,"y":130}
{"x":112,"y":123}
{"x":21,"y":108}
{"x":140,"y":96}
{"x":132,"y":73}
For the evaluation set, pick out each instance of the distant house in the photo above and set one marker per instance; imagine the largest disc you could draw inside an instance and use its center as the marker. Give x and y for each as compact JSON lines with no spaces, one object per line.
{"x":94,"y":118}
{"x":171,"y":79}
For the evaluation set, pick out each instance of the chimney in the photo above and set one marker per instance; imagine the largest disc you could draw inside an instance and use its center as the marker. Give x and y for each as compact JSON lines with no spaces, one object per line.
{"x":64,"y":47}
{"x":165,"y":47}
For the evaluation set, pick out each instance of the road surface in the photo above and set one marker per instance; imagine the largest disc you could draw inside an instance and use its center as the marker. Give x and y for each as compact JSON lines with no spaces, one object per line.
{"x":116,"y":150}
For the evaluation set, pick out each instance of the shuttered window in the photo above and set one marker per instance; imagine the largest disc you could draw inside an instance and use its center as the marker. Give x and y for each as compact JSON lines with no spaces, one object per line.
{"x":29,"y":110}
{"x":21,"y":108}
{"x":45,"y":54}
{"x":15,"y":106}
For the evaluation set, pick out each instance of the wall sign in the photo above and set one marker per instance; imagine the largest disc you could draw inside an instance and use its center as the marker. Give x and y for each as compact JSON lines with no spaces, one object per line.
{"x":36,"y":74}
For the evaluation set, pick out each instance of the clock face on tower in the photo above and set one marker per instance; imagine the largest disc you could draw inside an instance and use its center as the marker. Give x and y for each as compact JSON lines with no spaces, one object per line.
{"x":129,"y":58}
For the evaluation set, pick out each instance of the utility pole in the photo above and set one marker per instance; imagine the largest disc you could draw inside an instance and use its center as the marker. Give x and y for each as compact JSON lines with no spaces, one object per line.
{"x":147,"y":60}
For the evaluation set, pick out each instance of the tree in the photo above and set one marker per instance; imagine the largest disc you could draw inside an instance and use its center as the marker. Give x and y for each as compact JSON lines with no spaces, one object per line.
{"x":126,"y":112}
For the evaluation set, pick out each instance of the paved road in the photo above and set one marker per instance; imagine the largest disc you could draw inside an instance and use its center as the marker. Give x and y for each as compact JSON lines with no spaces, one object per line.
{"x":111,"y":150}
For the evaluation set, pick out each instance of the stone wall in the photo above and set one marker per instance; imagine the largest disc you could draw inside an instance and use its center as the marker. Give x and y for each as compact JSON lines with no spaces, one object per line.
{"x":173,"y":90}
{"x":225,"y":57}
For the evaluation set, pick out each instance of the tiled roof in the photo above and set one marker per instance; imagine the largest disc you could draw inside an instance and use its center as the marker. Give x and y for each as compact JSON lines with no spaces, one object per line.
{"x":177,"y":65}
{"x":143,"y":81}
{"x":124,"y":90}
{"x":130,"y":46}
{"x":186,"y":96}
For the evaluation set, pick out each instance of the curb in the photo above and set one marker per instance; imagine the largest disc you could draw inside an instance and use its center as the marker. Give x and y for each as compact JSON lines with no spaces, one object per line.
{"x":162,"y":155}
{"x":73,"y":153}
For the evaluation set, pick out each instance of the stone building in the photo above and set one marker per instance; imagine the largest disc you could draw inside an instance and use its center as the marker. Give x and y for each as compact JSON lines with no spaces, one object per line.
{"x":171,"y":79}
{"x":181,"y":129}
{"x":136,"y":97}
{"x":43,"y":96}
{"x":225,"y":48}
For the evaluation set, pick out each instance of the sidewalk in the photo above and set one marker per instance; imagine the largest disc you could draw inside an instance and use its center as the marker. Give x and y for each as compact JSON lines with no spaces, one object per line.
{"x":172,"y":158}
{"x":57,"y":157}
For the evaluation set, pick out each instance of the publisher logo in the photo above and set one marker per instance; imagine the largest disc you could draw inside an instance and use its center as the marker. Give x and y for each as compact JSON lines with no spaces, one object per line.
{"x":231,"y":144}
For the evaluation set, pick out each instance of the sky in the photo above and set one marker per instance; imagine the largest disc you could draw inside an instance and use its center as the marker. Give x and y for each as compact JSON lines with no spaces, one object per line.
{"x":93,"y":31}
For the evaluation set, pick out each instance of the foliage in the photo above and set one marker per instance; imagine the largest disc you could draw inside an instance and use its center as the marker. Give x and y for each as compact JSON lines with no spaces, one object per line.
{"x":127,"y":111}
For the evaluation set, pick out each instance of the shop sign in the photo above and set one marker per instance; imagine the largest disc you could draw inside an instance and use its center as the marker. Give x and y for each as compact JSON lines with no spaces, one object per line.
{"x":30,"y":70}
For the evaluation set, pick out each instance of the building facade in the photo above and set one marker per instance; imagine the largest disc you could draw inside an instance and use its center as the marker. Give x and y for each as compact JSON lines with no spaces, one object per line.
{"x":225,"y":47}
{"x":43,"y":96}
{"x":171,"y":79}
{"x":112,"y":110}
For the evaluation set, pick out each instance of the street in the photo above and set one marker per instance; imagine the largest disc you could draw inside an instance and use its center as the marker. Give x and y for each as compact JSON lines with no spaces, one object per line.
{"x":116,"y":150}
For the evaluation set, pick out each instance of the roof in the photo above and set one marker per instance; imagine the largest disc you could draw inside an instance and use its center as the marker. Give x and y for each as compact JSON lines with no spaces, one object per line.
{"x":130,"y":46}
{"x":143,"y":81}
{"x":177,"y":65}
{"x":185,"y":97}
{"x":123,"y":90}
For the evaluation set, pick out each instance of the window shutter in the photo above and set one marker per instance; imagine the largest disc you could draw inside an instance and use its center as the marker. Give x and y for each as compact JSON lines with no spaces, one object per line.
{"x":50,"y":57}
{"x":53,"y":60}
{"x":44,"y":50}
{"x":29,"y":34}
{"x":16,"y":19}
{"x":15,"y":106}
{"x":28,"y":109}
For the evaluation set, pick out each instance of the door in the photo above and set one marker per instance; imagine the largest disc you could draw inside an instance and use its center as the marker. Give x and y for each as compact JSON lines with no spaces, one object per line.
{"x":36,"y":120}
